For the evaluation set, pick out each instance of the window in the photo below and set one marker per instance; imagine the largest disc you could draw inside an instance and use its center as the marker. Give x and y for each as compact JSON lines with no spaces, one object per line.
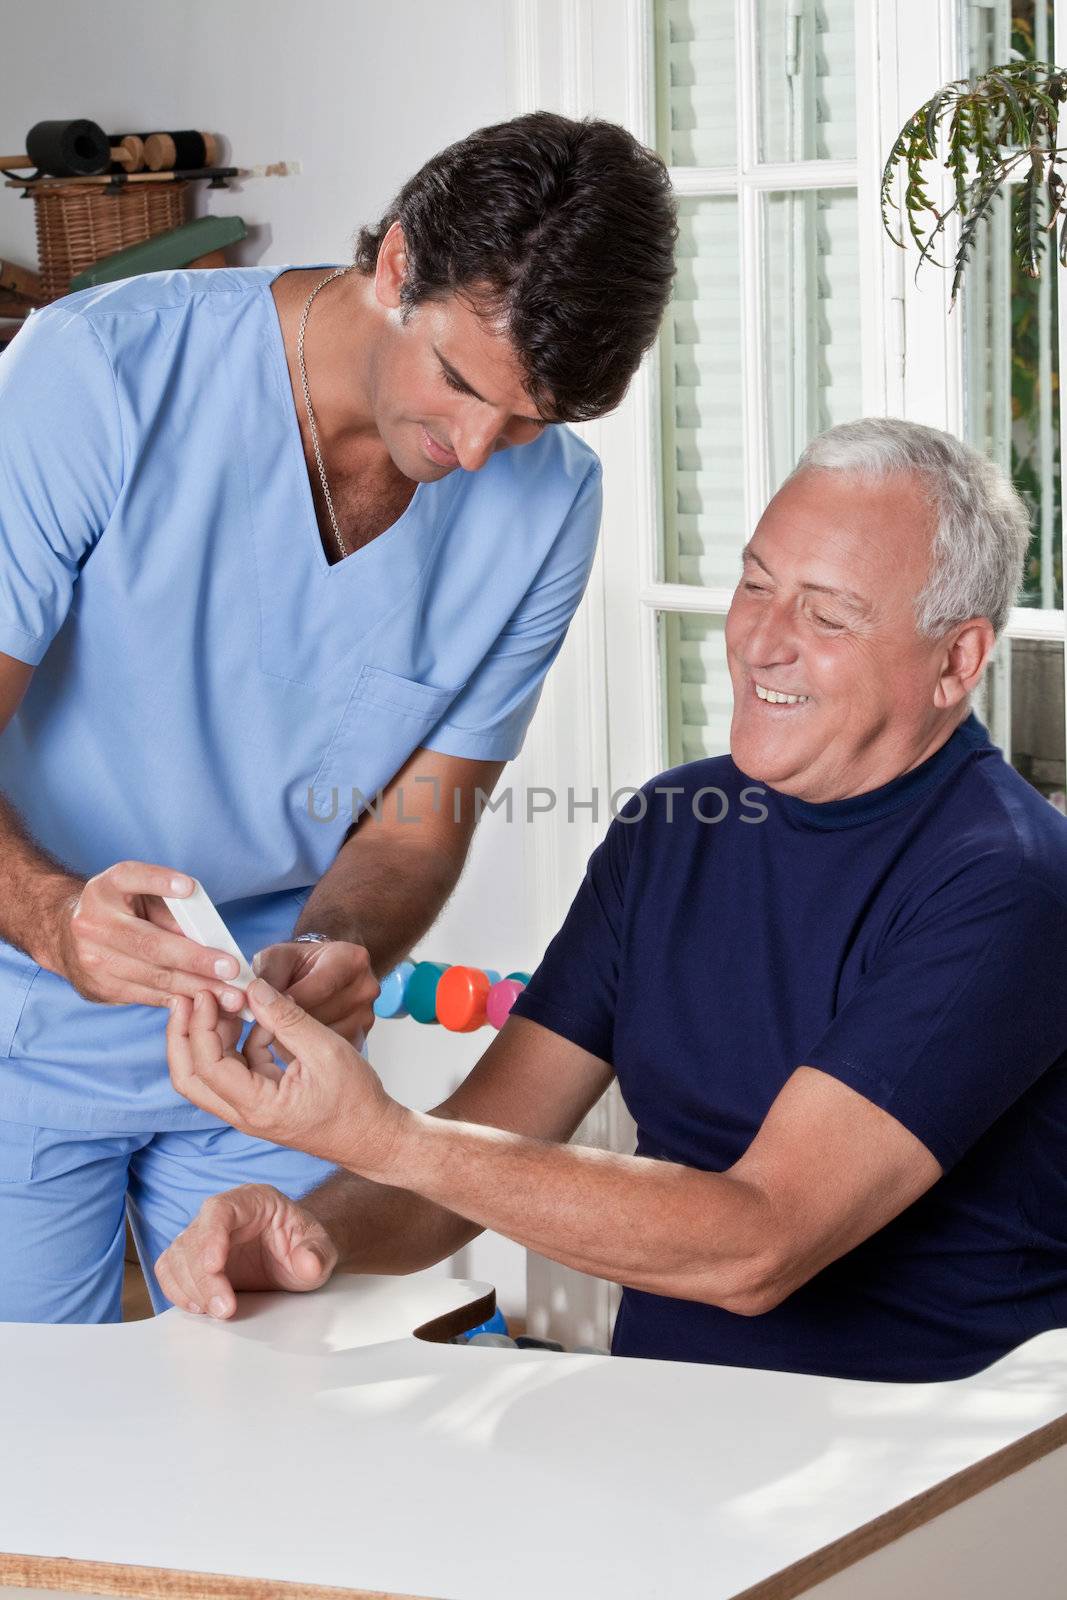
{"x":756,"y":116}
{"x":1011,"y":393}
{"x":778,"y":311}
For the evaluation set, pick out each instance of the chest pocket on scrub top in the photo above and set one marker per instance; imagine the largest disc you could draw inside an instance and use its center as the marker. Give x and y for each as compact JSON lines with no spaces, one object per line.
{"x":18,"y":974}
{"x":385,"y":719}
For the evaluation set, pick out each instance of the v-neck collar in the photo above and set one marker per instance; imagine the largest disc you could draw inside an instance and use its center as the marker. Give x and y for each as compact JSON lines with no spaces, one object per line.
{"x":356,"y":559}
{"x":315,"y":620}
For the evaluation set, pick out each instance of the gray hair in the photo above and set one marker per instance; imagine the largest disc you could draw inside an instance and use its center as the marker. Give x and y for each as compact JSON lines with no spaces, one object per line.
{"x":983,"y":525}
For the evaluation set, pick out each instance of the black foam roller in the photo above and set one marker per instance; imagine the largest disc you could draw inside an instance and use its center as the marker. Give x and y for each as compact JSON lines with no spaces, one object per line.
{"x":76,"y":149}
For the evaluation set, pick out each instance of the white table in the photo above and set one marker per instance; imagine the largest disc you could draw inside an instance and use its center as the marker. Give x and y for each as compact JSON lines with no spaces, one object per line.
{"x":314,"y":1442}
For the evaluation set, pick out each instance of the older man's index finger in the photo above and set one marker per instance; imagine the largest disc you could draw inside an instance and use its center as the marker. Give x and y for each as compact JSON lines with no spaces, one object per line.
{"x":179,"y":1055}
{"x":228,"y":1077}
{"x":187,"y":1053}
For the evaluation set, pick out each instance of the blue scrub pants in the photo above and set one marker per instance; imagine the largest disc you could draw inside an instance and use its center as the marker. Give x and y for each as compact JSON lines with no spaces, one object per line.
{"x":64,"y":1198}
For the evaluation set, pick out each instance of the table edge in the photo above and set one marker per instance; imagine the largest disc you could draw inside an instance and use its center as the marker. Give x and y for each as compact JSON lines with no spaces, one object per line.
{"x":76,"y":1576}
{"x":803,"y":1575}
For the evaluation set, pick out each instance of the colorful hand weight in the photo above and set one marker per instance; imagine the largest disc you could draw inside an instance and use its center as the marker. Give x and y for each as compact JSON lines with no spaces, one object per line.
{"x":420,"y":992}
{"x":462,"y":999}
{"x":502,"y":996}
{"x":391,"y":1002}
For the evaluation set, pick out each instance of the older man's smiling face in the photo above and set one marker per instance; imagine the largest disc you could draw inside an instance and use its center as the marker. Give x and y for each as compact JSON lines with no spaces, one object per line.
{"x":825,"y":615}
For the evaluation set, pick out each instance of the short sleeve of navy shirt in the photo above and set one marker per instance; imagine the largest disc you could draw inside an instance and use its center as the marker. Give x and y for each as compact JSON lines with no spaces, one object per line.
{"x":909,"y":942}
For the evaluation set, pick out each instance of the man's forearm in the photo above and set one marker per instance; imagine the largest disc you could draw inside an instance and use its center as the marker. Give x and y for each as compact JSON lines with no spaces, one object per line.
{"x":380,"y":1229}
{"x":34,"y":886}
{"x":651,"y":1225}
{"x":380,"y":893}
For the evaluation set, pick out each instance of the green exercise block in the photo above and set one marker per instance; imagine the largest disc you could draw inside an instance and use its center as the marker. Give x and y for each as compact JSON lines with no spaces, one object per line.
{"x":164,"y":252}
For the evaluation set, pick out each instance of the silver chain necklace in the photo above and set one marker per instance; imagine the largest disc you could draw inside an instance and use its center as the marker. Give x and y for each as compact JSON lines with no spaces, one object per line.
{"x":326,"y":495}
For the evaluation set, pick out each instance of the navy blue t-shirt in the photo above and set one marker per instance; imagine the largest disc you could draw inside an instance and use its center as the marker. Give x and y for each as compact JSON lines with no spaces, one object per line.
{"x":910,"y":941}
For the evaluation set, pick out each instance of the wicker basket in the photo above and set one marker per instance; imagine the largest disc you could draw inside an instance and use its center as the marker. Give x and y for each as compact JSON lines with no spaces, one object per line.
{"x":79,"y":223}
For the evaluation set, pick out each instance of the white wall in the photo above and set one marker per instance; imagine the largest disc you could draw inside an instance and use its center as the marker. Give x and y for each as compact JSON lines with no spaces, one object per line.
{"x":360,"y":94}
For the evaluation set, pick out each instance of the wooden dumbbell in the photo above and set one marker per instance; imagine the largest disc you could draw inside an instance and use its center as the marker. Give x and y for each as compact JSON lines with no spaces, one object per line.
{"x":127,"y":151}
{"x":186,"y":149}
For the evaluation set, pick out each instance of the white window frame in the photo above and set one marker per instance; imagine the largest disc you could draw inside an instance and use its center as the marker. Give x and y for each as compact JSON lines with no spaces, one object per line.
{"x":587,"y":57}
{"x":595,"y":57}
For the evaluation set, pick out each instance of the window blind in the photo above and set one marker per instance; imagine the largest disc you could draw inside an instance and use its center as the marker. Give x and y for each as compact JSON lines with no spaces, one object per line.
{"x":798,"y":303}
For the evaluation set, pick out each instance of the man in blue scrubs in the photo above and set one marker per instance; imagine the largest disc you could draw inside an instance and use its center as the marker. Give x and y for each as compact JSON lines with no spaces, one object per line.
{"x":273,"y":541}
{"x":827,"y":971}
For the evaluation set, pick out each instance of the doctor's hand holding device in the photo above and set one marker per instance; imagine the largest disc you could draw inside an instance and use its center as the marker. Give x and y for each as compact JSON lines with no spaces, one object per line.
{"x":139,"y":933}
{"x":118,"y":941}
{"x":200,"y":920}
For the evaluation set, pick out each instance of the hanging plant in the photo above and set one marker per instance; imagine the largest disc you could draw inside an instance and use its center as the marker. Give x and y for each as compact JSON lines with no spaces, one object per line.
{"x":984,"y":130}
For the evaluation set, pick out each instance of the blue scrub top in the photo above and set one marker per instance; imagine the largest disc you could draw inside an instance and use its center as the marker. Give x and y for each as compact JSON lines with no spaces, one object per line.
{"x":208,"y":689}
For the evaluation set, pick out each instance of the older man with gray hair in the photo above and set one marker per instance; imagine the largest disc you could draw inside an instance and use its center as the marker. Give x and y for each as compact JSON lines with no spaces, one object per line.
{"x":832,"y":995}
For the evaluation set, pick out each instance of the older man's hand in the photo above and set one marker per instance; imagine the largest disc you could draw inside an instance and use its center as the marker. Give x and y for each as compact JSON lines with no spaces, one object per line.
{"x":329,"y":1101}
{"x":251,"y":1238}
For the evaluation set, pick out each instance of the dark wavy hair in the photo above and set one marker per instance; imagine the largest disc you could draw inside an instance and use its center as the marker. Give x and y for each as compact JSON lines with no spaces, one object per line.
{"x":563,"y":232}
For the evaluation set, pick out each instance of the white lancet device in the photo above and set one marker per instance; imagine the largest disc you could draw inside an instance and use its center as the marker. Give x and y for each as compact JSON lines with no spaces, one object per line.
{"x":198,"y":918}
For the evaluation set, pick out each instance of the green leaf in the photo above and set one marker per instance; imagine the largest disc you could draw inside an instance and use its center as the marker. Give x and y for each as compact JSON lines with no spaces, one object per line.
{"x":1027,"y":229}
{"x":932,"y":115}
{"x":984,"y":192}
{"x":958,"y":149}
{"x":980,"y":131}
